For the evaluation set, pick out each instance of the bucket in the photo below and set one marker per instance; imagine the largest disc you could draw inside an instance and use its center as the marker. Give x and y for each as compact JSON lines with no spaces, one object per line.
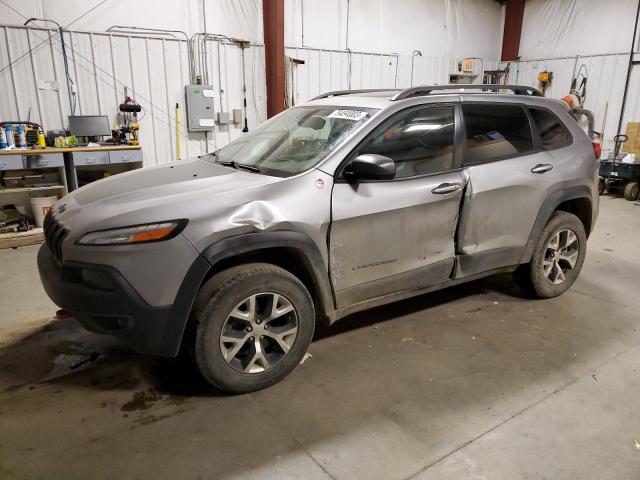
{"x":40,"y":206}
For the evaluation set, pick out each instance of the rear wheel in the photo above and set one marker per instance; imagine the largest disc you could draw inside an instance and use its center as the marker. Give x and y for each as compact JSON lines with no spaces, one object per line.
{"x":601,"y":185}
{"x":557,"y":259}
{"x":254,"y":325}
{"x":631,"y":191}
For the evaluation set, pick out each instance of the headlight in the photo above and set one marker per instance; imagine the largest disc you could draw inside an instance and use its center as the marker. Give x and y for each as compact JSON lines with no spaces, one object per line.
{"x":151,"y":232}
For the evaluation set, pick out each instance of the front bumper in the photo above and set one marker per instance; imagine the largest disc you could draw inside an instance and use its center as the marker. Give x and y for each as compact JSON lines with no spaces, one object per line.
{"x":102,"y":300}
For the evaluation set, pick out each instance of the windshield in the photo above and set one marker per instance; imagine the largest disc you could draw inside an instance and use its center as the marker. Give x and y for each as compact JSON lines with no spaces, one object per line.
{"x":294,"y":141}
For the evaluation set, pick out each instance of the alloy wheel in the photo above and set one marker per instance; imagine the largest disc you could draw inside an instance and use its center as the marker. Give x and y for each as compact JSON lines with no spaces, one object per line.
{"x":561,"y":255}
{"x":259,"y":332}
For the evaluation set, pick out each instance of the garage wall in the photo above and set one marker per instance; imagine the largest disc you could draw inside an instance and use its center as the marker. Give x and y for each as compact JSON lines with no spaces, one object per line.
{"x":444,"y":31}
{"x":325,"y":70}
{"x":562,"y":36}
{"x":154,"y":70}
{"x":605,"y":86}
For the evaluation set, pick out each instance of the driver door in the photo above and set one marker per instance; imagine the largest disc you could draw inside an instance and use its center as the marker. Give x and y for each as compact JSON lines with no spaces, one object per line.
{"x":396,"y":235}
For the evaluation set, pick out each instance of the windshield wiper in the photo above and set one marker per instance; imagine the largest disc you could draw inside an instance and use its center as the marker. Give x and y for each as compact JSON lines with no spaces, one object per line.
{"x":246,"y":166}
{"x":227,"y":163}
{"x":237,"y":166}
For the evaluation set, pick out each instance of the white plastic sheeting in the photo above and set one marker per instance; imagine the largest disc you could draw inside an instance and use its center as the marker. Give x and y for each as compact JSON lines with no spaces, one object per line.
{"x":438,"y":28}
{"x":237,"y":18}
{"x":559,"y":28}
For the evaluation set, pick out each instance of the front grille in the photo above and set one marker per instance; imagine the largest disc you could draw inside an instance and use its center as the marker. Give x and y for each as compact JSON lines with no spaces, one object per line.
{"x":54,"y":234}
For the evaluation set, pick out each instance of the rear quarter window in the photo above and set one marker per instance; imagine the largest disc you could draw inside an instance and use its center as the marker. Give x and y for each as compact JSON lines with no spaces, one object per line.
{"x":553,"y":133}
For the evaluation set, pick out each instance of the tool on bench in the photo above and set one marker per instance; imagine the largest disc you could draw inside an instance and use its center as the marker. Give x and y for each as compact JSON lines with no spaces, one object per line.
{"x":127,"y":132}
{"x":23,"y":133}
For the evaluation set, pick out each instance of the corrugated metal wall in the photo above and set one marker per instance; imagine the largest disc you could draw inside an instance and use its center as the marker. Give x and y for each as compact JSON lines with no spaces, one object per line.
{"x":155,"y":70}
{"x":325,"y":70}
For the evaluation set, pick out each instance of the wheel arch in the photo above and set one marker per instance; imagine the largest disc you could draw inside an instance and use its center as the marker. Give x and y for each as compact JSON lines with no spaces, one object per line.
{"x":575,"y":200}
{"x":581,"y":207}
{"x":292,"y":251}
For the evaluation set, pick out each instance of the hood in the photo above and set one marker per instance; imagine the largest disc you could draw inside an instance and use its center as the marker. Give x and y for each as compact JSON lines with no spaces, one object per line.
{"x":165,"y":180}
{"x":154,"y":193}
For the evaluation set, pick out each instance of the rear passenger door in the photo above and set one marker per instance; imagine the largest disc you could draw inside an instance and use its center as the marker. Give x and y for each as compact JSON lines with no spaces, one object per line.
{"x":510,"y":174}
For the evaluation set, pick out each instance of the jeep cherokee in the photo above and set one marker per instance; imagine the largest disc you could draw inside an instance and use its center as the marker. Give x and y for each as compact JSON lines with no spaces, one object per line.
{"x":351,"y":200}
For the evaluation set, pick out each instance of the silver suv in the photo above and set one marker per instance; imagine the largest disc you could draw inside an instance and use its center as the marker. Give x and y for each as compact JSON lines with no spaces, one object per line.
{"x":352,"y":200}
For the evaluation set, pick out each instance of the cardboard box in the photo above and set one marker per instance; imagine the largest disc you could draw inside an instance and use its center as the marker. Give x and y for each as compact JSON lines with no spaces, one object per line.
{"x":632,"y":145}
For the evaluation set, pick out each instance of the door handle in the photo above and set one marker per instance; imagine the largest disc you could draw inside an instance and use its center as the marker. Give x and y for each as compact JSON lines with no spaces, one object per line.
{"x":542,"y":168}
{"x":444,"y":188}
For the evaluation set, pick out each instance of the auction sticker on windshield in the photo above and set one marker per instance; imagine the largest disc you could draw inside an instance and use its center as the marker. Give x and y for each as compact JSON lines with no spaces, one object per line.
{"x":354,"y":115}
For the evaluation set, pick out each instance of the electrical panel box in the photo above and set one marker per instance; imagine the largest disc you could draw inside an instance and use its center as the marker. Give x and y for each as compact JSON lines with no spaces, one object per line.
{"x":200,"y":114}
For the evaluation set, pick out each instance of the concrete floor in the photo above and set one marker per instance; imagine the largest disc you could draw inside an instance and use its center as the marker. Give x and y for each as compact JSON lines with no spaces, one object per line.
{"x":475,"y":382}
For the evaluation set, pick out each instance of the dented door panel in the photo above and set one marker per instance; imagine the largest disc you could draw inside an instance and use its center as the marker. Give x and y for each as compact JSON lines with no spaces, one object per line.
{"x":383,"y":229}
{"x":501,"y":202}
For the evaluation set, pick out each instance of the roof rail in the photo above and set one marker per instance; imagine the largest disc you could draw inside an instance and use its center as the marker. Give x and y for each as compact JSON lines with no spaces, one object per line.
{"x":427,"y":89}
{"x":338,"y":93}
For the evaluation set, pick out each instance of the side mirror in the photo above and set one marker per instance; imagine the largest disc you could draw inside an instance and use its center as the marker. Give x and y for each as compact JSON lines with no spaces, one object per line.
{"x":370,"y":166}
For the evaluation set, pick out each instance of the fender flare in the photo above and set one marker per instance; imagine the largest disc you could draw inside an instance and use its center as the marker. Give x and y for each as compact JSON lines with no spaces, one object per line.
{"x":549,"y":206}
{"x":308,"y":251}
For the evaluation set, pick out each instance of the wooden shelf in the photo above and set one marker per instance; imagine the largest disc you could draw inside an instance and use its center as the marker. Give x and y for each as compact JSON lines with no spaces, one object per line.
{"x":41,"y":151}
{"x":31,"y":189}
{"x":21,"y":239}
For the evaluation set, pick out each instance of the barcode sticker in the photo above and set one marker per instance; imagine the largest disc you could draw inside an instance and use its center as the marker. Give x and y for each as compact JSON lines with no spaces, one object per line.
{"x":354,"y":115}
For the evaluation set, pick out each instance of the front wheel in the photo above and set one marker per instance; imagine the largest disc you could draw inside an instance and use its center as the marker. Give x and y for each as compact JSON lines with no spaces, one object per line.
{"x":558,"y":257}
{"x":254,"y":325}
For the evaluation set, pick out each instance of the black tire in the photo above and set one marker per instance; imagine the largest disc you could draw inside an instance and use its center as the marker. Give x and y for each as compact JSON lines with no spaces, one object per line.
{"x":631,"y":191}
{"x":215,"y":301}
{"x":531,"y":276}
{"x":601,"y":185}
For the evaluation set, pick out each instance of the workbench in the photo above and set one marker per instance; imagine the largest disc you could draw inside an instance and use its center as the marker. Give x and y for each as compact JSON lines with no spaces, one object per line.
{"x":70,"y":163}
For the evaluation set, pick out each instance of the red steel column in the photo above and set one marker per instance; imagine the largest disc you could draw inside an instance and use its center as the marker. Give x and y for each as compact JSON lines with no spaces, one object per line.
{"x":273,"y":18}
{"x":512,"y":29}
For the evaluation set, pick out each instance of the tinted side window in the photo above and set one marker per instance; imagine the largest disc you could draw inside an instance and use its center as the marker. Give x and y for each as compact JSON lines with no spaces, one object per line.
{"x":419,"y":142}
{"x":552,"y":133}
{"x":495,"y":131}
